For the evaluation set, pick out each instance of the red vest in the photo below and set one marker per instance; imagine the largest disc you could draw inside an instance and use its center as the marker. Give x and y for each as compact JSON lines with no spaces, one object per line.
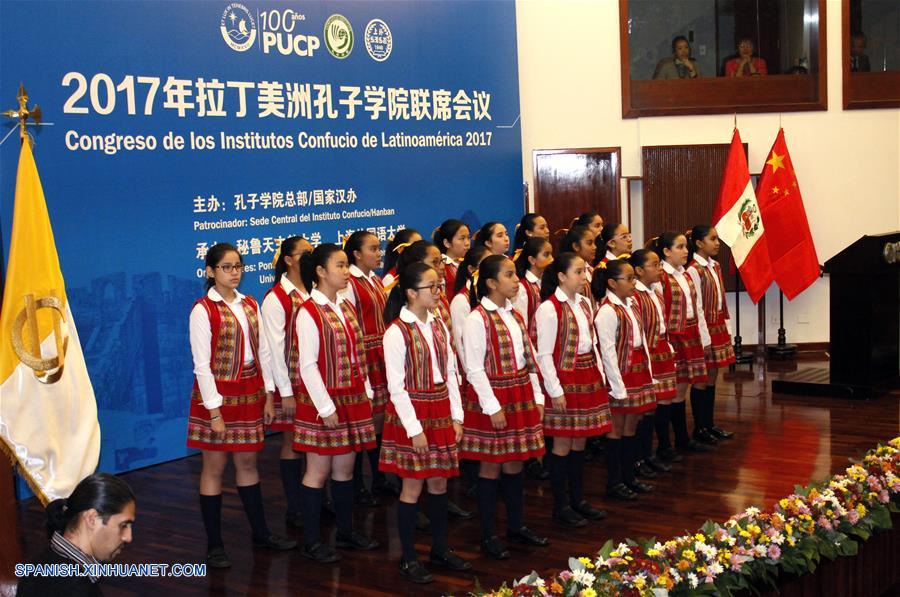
{"x":227,"y":359}
{"x":710,"y":292}
{"x":533,"y":292}
{"x":419,"y":375}
{"x":500,"y":357}
{"x":370,"y":301}
{"x":341,"y":357}
{"x":675,"y":301}
{"x":567,"y":333}
{"x":291,"y":305}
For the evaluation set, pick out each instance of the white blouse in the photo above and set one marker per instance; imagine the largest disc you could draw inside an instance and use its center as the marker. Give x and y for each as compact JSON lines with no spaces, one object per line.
{"x":606,"y":323}
{"x":308,"y":335}
{"x":690,"y":310}
{"x":395,"y":367}
{"x":654,"y":298}
{"x":349,"y":293}
{"x":547,"y":324}
{"x":200,"y":335}
{"x":273,"y":320}
{"x":520,"y":303}
{"x":475,"y":341}
{"x":459,"y":310}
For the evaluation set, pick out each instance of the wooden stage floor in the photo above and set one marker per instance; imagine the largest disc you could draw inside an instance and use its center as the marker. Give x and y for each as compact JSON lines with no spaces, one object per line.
{"x":780,"y":441}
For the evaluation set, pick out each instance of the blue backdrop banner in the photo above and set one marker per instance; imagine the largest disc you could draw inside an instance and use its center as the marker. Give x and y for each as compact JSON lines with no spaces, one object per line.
{"x":171,"y":126}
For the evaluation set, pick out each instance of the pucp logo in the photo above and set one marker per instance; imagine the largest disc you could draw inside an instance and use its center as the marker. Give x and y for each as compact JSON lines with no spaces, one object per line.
{"x":379,"y":41}
{"x":238,"y":27}
{"x":338,"y":36}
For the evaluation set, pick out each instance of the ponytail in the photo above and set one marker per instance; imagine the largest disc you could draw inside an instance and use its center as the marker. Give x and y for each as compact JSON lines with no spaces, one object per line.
{"x":666,"y":240}
{"x":550,"y":279}
{"x":573,"y":237}
{"x":408,"y":279}
{"x":472,"y":259}
{"x":698,"y":232}
{"x":105,"y":493}
{"x":445,"y":232}
{"x":396,"y":245}
{"x":312,"y":260}
{"x":287,"y":247}
{"x":525,"y":225}
{"x":602,"y":275}
{"x":531,"y":248}
{"x":489,"y":269}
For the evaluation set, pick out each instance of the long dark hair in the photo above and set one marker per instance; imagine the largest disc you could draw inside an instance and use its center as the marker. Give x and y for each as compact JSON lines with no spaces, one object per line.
{"x":666,"y":240}
{"x":573,"y":237}
{"x":408,"y":279}
{"x":602,"y":275}
{"x":445,"y":232}
{"x":355,"y":243}
{"x":550,"y":279}
{"x":214,"y":256}
{"x":488,"y":270}
{"x":526,"y":224}
{"x":288,"y":246}
{"x":414,"y":253}
{"x":473,"y":257}
{"x":315,"y":258}
{"x":532,"y":247}
{"x":484,"y":234}
{"x":390,"y":252}
{"x":697,"y":233}
{"x":105,"y":493}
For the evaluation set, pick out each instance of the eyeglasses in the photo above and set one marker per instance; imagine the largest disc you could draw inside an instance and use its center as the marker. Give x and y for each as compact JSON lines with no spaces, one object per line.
{"x":231,"y":267}
{"x":435,"y":288}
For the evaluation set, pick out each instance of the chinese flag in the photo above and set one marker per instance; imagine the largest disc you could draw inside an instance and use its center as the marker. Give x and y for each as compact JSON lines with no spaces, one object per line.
{"x":739,"y":223}
{"x":791,"y":247}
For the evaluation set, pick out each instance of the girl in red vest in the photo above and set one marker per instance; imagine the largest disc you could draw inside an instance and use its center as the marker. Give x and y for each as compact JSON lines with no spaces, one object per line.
{"x":649,"y":303}
{"x":531,"y":225}
{"x":279,"y":316}
{"x":493,"y":235}
{"x":504,"y":402}
{"x":626,"y":361}
{"x":366,"y":293}
{"x":616,"y":242}
{"x":424,"y":418}
{"x":573,"y":377}
{"x":452,"y":240}
{"x":687,"y":331}
{"x":581,"y":240}
{"x":334,"y":405}
{"x":706,"y":274}
{"x":392,"y":252}
{"x":531,"y":261}
{"x":231,"y":398}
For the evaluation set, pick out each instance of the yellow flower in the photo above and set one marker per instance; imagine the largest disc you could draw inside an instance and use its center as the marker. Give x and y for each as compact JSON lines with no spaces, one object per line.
{"x":662,"y":580}
{"x":783,"y":503}
{"x":653,"y":553}
{"x":639,"y":582}
{"x":699,"y":537}
{"x":862,"y":510}
{"x":614,"y":554}
{"x":587,"y":563}
{"x":588,"y":593}
{"x":690,"y":555}
{"x":745,"y":534}
{"x":789,"y":529}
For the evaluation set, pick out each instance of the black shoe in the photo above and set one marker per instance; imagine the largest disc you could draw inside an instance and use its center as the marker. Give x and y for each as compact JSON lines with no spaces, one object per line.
{"x":526,"y":536}
{"x":693,"y":446}
{"x":456,"y":512}
{"x":568,"y":517}
{"x":365,"y":498}
{"x":423,"y":524}
{"x":621,"y":492}
{"x":705,"y":437}
{"x":356,"y":541}
{"x":275,"y":542}
{"x":535,"y":470}
{"x":217,"y":558}
{"x":318,"y":551}
{"x":494,"y":547}
{"x":415,"y":572}
{"x":645,"y":470}
{"x":639,"y":487}
{"x":720,"y":433}
{"x":386,"y":487}
{"x":658,"y":465}
{"x":669,"y":455}
{"x":450,"y":560}
{"x":588,"y":511}
{"x":293,"y":520}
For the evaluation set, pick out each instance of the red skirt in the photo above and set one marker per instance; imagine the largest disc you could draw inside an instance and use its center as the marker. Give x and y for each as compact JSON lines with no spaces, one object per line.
{"x":639,"y":385}
{"x":587,"y":402}
{"x":241,"y":410}
{"x":355,"y":431}
{"x":662,"y":360}
{"x":523,"y":437}
{"x":281,"y":422}
{"x":690,"y":362}
{"x":433,"y":412}
{"x":377,"y":375}
{"x":720,"y":353}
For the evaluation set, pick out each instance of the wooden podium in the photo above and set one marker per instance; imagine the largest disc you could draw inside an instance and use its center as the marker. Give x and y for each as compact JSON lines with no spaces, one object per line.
{"x":865,"y":322}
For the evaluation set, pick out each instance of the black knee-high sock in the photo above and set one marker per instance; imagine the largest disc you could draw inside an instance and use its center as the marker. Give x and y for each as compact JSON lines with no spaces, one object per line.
{"x":512,"y":496}
{"x":710,"y":406}
{"x":359,"y":482}
{"x":437,"y":514}
{"x":557,"y":465}
{"x":469,"y":470}
{"x":251,"y":496}
{"x":211,"y":510}
{"x":661,"y":422}
{"x":575,"y":470}
{"x":377,"y":475}
{"x":406,"y":526}
{"x":290,"y":480}
{"x":698,"y":408}
{"x":645,"y":432}
{"x":679,"y":424}
{"x":311,"y":498}
{"x":342,"y":497}
{"x":613,"y":462}
{"x":629,"y":450}
{"x":487,"y":506}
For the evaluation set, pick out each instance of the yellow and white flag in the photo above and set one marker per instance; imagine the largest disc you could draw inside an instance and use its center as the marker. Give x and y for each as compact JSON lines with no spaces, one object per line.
{"x":48,"y":414}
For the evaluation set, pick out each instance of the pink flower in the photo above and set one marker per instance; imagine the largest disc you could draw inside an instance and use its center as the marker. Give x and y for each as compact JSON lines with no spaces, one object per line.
{"x":774,"y":552}
{"x":883,"y":496}
{"x":565,"y":575}
{"x":852,"y":516}
{"x":822,"y":522}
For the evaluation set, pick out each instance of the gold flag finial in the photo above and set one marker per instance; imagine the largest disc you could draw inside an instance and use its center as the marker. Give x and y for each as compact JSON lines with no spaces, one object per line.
{"x":22,"y":114}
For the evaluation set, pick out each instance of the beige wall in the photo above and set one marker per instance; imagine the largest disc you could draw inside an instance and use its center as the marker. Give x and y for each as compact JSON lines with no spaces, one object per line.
{"x":848,"y":163}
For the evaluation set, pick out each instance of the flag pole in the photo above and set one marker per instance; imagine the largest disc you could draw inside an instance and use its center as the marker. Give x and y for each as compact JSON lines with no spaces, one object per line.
{"x":739,"y":357}
{"x":782,"y":350}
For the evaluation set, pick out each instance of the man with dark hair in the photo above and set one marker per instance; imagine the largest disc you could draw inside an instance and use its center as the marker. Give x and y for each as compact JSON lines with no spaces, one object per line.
{"x":90,"y":526}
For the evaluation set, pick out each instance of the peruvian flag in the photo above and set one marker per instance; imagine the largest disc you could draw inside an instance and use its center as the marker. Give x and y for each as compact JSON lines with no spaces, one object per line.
{"x":739,"y":223}
{"x":791,"y":249}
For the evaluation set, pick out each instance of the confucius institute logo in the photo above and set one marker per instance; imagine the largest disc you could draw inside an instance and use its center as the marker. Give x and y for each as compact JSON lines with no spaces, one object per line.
{"x":338,"y":36}
{"x":238,"y":27}
{"x":749,"y":216}
{"x":379,"y":41}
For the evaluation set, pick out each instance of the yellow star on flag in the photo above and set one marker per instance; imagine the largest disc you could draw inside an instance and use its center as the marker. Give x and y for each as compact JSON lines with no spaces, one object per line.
{"x":786,"y":192}
{"x":776,"y":162}
{"x":775,"y":190}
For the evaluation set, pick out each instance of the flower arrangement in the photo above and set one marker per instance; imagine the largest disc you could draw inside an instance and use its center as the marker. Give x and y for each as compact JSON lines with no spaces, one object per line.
{"x":748,"y":550}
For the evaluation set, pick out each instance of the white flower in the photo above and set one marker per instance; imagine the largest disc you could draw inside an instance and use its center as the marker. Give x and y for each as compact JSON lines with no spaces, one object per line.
{"x":716,"y":568}
{"x":623,"y":549}
{"x":759,"y":551}
{"x":583,"y":577}
{"x":778,"y":538}
{"x":693,"y":580}
{"x":751,"y":511}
